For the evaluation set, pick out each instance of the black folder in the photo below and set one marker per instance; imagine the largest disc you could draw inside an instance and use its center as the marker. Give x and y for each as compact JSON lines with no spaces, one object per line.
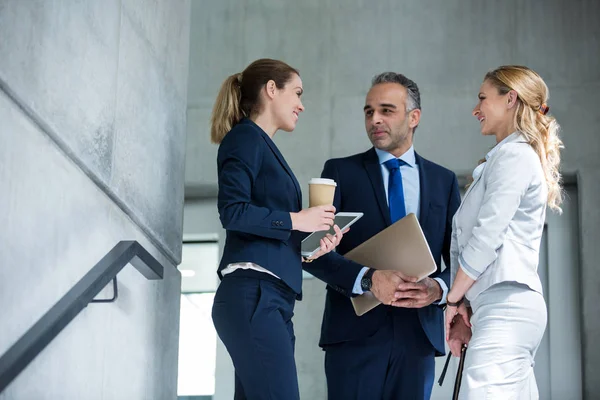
{"x":459,"y":372}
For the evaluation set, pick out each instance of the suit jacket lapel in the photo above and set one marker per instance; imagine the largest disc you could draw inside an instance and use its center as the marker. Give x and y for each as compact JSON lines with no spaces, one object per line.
{"x":471,"y":187}
{"x":285,"y":166}
{"x":373,"y":168}
{"x":424,"y":189}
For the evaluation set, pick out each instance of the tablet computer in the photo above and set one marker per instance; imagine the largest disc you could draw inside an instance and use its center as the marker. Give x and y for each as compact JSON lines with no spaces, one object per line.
{"x":312,"y":243}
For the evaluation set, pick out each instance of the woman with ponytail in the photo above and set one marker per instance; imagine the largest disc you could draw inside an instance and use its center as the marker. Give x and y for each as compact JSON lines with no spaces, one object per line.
{"x":495,"y":305}
{"x":260,"y":207}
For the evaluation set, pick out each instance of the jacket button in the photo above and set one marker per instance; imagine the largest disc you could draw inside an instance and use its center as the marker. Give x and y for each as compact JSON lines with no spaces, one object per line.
{"x":459,"y":231}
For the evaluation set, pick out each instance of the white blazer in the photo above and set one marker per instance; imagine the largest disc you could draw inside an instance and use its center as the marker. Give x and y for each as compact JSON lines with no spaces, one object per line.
{"x":497,"y":230}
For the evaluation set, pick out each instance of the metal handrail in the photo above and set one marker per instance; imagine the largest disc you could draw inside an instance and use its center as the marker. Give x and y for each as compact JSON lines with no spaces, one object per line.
{"x":18,"y":357}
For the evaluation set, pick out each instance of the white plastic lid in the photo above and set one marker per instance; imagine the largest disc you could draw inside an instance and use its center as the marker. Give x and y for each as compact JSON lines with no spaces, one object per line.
{"x":322,"y":181}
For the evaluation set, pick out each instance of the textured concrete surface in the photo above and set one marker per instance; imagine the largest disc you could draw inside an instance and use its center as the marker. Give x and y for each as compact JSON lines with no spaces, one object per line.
{"x":62,"y":58}
{"x":92,"y":151}
{"x":57,"y":224}
{"x":110,"y":80}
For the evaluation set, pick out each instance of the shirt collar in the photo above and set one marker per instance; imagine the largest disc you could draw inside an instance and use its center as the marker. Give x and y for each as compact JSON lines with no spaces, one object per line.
{"x":408,"y":157}
{"x":513,"y":137}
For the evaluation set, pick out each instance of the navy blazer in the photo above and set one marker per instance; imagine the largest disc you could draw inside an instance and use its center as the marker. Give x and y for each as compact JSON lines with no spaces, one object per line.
{"x":257,"y":192}
{"x":360,"y":188}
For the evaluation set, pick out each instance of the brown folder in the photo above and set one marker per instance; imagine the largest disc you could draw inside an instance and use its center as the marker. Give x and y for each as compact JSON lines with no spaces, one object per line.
{"x":400,"y":247}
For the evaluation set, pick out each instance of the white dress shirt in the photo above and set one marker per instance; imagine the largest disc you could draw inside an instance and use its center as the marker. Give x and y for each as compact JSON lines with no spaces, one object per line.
{"x":412,"y":199}
{"x":230,"y":268}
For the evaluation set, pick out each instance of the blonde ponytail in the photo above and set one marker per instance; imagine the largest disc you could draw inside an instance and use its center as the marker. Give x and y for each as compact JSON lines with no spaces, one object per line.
{"x":550,"y":147}
{"x":541,"y":131}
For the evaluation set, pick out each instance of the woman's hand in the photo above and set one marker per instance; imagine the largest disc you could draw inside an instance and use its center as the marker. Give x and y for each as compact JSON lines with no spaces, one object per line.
{"x":458,"y":335}
{"x":329,"y":242}
{"x":462,"y":283}
{"x":456,"y":312}
{"x":313,"y":219}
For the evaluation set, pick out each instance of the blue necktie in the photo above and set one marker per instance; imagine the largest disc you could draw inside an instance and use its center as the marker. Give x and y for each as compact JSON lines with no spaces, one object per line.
{"x":395,"y":190}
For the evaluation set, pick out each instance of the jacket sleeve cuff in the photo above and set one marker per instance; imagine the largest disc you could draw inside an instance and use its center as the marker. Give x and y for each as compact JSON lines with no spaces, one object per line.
{"x":282,"y":221}
{"x":444,"y":290}
{"x":467,"y":269}
{"x":357,"y":289}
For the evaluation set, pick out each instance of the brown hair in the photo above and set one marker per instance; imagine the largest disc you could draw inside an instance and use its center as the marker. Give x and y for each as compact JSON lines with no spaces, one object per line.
{"x":239,"y":95}
{"x":540,"y":130}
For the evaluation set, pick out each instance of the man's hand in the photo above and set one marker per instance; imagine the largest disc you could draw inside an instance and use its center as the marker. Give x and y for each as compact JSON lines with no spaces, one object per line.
{"x":385,"y":284}
{"x":417,"y":294}
{"x":458,"y":335}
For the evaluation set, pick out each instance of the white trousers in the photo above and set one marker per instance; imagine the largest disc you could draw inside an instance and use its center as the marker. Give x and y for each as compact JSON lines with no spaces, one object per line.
{"x":508,"y":321}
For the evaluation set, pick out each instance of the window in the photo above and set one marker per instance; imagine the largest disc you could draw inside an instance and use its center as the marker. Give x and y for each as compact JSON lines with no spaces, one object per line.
{"x":197,"y":335}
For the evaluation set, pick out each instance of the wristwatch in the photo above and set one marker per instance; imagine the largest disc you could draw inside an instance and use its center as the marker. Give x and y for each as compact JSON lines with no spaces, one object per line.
{"x":366,"y":282}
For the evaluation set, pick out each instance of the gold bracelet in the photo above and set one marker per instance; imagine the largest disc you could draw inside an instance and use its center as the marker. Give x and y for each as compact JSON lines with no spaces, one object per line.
{"x":307,"y":260}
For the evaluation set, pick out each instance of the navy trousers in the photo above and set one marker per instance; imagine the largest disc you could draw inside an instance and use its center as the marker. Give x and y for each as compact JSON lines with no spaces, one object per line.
{"x":253,"y":318}
{"x":396,"y":363}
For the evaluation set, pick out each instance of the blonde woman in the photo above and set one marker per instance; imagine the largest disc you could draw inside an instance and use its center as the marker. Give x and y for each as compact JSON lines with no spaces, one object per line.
{"x":496,"y":239}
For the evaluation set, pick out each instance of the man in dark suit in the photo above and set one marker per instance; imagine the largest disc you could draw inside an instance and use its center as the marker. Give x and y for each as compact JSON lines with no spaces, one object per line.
{"x":388,"y":353}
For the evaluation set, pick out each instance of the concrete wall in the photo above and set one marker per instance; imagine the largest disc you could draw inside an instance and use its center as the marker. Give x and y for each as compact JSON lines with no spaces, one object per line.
{"x":110,"y":81}
{"x":92,"y":147}
{"x":446,"y":47}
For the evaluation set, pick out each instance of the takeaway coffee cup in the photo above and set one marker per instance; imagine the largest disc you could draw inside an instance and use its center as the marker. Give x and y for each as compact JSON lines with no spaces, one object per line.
{"x":321,"y":192}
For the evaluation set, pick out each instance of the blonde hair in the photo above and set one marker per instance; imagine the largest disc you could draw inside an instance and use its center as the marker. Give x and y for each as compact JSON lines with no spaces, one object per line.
{"x":531,"y":119}
{"x":239,"y":95}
